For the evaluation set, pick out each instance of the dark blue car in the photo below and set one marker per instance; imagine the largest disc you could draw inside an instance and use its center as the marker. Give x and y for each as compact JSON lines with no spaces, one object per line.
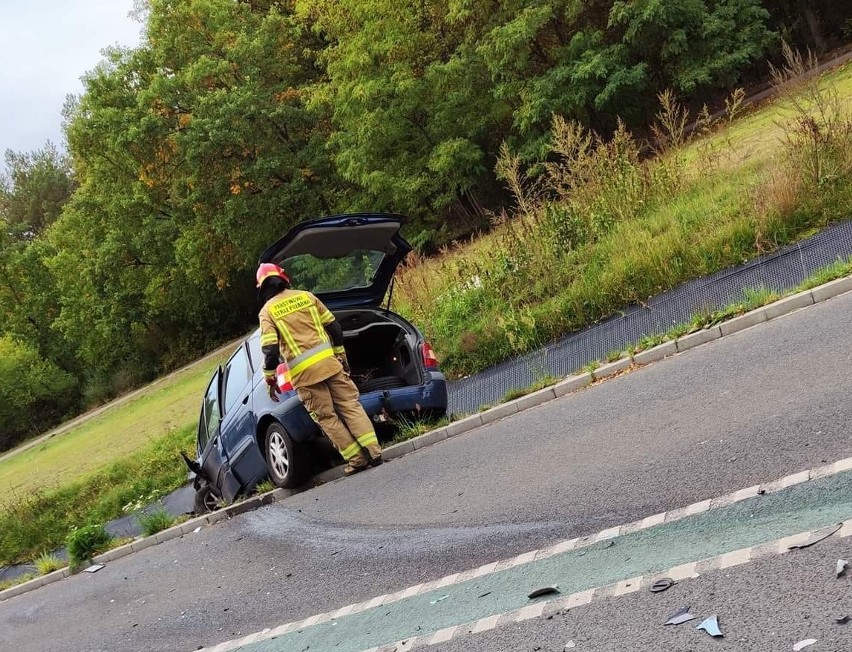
{"x":348,"y":261}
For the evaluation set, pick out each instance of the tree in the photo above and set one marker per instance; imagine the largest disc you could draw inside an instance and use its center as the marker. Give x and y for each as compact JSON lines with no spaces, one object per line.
{"x":34,"y":392}
{"x":33,"y":189}
{"x":410,"y":101}
{"x":194,"y":151}
{"x":422,"y":92}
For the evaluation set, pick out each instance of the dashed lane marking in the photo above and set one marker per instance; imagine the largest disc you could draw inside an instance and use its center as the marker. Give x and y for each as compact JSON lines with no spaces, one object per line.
{"x":684,"y":571}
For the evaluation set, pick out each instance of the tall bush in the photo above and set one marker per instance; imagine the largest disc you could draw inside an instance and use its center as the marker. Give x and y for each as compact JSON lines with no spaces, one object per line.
{"x":34,"y":392}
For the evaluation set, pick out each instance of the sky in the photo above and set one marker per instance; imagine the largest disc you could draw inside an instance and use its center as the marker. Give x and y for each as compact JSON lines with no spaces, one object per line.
{"x":45,"y":47}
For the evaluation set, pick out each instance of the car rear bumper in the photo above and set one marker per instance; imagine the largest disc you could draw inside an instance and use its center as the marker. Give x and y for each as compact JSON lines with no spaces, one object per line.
{"x":429,"y":397}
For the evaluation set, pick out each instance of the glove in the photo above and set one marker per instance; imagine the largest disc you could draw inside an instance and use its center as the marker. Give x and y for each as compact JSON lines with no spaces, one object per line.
{"x":341,"y":358}
{"x":272,"y":388}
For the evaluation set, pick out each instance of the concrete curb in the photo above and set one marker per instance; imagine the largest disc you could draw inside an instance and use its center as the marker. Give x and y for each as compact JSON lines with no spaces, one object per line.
{"x":568,"y":385}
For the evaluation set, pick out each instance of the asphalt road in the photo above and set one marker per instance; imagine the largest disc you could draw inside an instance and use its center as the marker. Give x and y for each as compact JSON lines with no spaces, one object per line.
{"x":768,"y":605}
{"x":746,"y":409}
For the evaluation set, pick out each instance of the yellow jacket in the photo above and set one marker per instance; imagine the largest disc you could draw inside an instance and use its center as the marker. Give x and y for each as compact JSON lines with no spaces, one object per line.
{"x":292,"y":326}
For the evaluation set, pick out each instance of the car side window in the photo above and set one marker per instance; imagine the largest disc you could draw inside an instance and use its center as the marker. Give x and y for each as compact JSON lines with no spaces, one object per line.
{"x":211,"y":413}
{"x":237,"y":375}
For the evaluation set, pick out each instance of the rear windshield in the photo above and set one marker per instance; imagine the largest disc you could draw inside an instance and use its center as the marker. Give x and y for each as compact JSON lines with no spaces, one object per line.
{"x":355,"y":270}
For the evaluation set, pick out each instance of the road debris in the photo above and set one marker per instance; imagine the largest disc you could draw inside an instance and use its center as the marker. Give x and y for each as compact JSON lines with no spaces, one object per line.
{"x":441,"y":599}
{"x":94,"y":568}
{"x":570,"y":645}
{"x":842,"y":565}
{"x":680,"y":616}
{"x":662,"y":585}
{"x":801,"y":645}
{"x":545,"y":590}
{"x":484,"y":594}
{"x":817,"y":538}
{"x":842,"y":620}
{"x":197,"y":530}
{"x":711,"y":626}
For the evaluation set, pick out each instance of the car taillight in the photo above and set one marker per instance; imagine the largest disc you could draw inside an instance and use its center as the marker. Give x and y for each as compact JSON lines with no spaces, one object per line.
{"x":282,"y":374}
{"x":430,"y":360}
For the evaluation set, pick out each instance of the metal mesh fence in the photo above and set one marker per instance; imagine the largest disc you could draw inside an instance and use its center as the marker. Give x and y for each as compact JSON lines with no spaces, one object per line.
{"x":780,"y":271}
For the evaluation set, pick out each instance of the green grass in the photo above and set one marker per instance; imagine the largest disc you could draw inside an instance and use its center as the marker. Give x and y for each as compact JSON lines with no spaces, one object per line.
{"x":410,"y":428}
{"x":48,"y":563}
{"x":7,"y":584}
{"x":541,"y":383}
{"x":264,"y":487}
{"x":85,"y":542}
{"x":41,"y":519}
{"x":155,"y":521}
{"x":113,"y":435}
{"x":629,"y":229}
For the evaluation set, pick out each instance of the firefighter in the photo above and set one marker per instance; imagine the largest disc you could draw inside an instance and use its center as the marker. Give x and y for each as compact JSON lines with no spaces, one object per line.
{"x":296,"y":326}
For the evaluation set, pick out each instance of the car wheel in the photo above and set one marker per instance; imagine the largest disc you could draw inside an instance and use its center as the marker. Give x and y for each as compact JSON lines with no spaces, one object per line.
{"x":283,"y":457}
{"x":384,"y":382}
{"x":205,"y":500}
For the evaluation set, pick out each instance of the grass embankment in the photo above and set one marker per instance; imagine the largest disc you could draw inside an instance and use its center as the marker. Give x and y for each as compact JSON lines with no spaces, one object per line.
{"x":105,"y":468}
{"x":38,"y":521}
{"x":600,"y":227}
{"x":115,"y":434}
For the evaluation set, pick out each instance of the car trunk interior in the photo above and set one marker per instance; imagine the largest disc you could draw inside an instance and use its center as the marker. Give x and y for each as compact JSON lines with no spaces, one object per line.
{"x":379,"y":350}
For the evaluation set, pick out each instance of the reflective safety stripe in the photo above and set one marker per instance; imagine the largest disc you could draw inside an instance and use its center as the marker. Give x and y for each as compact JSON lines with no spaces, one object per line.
{"x":288,"y":338}
{"x":310,"y":357}
{"x":350,"y":451}
{"x":318,"y":325}
{"x":339,"y":350}
{"x":269,"y":373}
{"x":369,"y":439}
{"x":326,"y":317}
{"x":268,"y":338}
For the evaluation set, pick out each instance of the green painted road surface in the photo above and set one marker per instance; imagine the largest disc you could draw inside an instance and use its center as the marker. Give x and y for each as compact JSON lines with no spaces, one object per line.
{"x":806,"y":507}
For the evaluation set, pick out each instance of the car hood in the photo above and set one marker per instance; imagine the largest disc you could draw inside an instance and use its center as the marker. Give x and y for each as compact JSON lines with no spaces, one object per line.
{"x":345,"y":260}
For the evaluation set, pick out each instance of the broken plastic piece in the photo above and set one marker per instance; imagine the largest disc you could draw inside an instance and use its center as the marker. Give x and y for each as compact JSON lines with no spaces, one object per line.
{"x":570,"y":645}
{"x":843,"y":620}
{"x":801,"y":645}
{"x":842,"y":565}
{"x":680,"y":616}
{"x":197,"y":530}
{"x":441,"y":599}
{"x":94,"y":568}
{"x":545,"y":590}
{"x":711,"y":626}
{"x":662,"y":585}
{"x":817,"y":538}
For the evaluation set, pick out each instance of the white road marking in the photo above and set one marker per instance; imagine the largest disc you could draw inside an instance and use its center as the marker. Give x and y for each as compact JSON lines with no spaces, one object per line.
{"x":678,"y":573}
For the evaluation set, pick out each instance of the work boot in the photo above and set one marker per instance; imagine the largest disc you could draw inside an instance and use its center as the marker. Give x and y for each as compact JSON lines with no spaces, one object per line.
{"x":375,"y":453}
{"x":352,"y":469}
{"x":357,"y":463}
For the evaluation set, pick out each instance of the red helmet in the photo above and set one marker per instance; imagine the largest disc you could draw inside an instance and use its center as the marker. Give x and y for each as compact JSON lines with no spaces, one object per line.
{"x":268,"y":270}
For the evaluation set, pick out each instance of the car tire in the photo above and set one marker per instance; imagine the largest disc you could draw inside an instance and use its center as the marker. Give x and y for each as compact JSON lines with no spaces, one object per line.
{"x":285,"y":462}
{"x":383,"y":382}
{"x":205,"y":500}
